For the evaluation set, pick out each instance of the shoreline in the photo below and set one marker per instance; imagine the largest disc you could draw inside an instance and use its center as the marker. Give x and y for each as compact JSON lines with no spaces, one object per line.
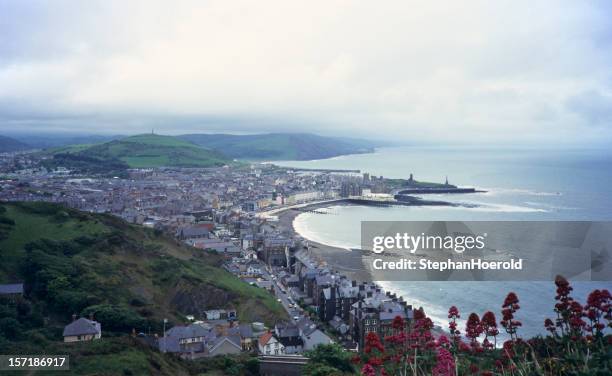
{"x":348,"y":262}
{"x":342,"y":260}
{"x":345,"y":261}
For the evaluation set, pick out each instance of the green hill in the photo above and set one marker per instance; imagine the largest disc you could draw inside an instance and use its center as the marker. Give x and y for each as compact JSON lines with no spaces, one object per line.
{"x":141,"y":151}
{"x":9,"y":145}
{"x":280,"y":146}
{"x":128,"y":276}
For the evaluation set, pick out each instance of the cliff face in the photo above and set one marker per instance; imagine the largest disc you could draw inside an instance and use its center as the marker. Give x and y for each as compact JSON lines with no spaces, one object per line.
{"x":199,"y":298}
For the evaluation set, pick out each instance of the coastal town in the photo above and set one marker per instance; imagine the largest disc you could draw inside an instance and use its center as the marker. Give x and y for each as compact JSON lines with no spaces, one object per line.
{"x":245,"y":214}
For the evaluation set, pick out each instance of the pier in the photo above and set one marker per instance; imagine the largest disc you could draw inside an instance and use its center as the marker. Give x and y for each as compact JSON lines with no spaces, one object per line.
{"x":433,"y":190}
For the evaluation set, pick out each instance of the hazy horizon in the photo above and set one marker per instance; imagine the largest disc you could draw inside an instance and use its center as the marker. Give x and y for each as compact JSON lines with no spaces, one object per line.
{"x":509,"y":73}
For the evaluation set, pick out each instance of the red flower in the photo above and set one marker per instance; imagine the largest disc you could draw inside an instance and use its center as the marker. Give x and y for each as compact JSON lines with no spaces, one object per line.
{"x":453,"y":312}
{"x":368,"y":370}
{"x":473,"y":329}
{"x":550,"y":326}
{"x":510,"y":307}
{"x":474,"y":368}
{"x":398,"y":323}
{"x":489,"y":327}
{"x":445,"y":363}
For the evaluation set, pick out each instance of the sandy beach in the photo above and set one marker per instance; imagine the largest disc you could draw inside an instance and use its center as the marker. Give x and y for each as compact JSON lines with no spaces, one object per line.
{"x":347,"y":262}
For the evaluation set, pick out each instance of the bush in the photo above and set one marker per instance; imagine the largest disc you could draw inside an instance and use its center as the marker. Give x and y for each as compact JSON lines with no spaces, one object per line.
{"x":10,"y":328}
{"x":115,"y":317}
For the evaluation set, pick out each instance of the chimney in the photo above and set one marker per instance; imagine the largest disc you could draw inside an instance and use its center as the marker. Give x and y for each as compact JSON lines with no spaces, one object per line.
{"x":74,"y":317}
{"x":91,"y":316}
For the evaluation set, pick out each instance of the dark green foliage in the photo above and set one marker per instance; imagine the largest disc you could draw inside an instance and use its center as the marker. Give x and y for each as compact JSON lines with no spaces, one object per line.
{"x":6,"y":224}
{"x":10,"y":328}
{"x":240,"y":365}
{"x":328,"y":360}
{"x":115,"y":317}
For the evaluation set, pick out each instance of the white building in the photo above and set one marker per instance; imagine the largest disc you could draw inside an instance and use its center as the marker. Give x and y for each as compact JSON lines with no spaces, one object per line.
{"x":269,"y":345}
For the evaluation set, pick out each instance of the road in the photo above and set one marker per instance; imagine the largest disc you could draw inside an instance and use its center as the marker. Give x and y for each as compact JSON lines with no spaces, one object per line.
{"x":283,"y":295}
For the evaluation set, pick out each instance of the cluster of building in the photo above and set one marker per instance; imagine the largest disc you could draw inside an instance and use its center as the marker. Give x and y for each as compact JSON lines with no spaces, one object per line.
{"x":218,"y":210}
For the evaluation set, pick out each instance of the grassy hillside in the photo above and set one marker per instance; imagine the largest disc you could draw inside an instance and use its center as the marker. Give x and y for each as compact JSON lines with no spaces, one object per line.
{"x":142,"y":151}
{"x":280,"y":146}
{"x":127,"y":276}
{"x":8,"y":145}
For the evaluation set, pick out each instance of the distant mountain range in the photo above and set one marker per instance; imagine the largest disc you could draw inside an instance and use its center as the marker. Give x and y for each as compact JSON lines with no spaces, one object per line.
{"x":115,"y":154}
{"x":9,"y":145}
{"x":268,"y":146}
{"x":58,"y":139}
{"x":280,"y":146}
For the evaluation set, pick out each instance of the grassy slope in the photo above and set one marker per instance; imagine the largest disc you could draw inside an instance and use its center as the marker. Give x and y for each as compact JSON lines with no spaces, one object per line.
{"x":149,"y":150}
{"x":29,"y":227}
{"x":279,"y":146}
{"x":125,"y":264}
{"x":133,"y":257}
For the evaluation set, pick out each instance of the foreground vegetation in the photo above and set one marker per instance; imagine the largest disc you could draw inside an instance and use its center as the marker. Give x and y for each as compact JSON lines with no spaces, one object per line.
{"x":577,"y":345}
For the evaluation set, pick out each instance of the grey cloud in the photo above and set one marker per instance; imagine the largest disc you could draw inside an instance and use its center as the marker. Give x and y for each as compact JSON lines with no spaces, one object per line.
{"x":594,"y":106}
{"x":439,"y":70}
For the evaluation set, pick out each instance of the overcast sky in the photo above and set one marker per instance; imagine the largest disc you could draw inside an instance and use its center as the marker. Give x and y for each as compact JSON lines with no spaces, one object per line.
{"x":454,"y":71}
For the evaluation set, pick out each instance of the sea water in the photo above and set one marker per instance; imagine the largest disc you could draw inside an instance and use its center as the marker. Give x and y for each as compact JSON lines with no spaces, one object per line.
{"x":521,"y":184}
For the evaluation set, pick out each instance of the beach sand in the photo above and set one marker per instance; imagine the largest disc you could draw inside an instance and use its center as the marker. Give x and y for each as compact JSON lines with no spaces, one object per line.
{"x":345,"y":261}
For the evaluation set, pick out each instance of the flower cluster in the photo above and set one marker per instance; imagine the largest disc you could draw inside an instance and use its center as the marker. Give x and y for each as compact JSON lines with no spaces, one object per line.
{"x":414,"y":349}
{"x":509,"y":308}
{"x":445,"y":363}
{"x":453,"y":315}
{"x":489,"y":327}
{"x":571,"y":314}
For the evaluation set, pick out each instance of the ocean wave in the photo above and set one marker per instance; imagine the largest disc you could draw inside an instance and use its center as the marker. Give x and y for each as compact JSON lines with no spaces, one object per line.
{"x":516,"y":191}
{"x":501,"y":208}
{"x":550,"y":206}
